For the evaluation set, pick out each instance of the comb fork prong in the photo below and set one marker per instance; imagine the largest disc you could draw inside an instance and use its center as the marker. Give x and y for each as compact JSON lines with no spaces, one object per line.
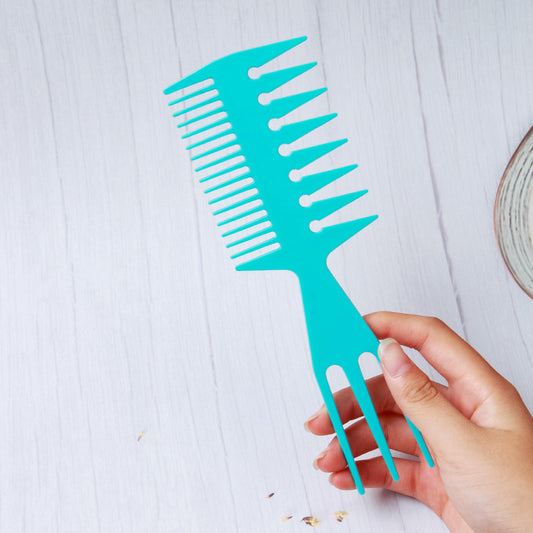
{"x":358,"y":385}
{"x":334,"y":416}
{"x":416,"y":432}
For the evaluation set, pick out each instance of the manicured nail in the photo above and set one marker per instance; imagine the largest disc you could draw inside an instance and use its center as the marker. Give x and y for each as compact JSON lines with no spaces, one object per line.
{"x":318,"y":457}
{"x":393,"y":358}
{"x":311,"y":418}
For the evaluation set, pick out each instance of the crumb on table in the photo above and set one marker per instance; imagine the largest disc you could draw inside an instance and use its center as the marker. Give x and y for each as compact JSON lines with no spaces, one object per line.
{"x":340,"y":515}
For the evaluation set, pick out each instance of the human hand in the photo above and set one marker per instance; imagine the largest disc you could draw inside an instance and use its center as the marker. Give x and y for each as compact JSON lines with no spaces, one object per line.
{"x":477,"y":428}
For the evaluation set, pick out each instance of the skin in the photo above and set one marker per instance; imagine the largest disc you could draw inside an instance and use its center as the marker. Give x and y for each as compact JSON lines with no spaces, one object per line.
{"x":478,"y":430}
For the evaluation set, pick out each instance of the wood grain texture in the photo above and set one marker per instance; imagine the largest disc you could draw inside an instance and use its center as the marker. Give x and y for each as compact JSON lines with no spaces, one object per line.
{"x":120,"y":312}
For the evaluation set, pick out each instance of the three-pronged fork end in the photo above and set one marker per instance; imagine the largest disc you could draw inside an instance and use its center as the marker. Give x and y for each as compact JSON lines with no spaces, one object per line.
{"x":358,"y":385}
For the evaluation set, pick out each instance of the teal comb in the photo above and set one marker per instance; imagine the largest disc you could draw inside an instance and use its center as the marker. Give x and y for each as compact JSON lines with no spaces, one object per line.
{"x":268,"y":224}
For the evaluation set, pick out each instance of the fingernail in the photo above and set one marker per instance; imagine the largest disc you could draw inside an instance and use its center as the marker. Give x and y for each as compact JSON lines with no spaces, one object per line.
{"x":393,"y":358}
{"x":311,"y":418}
{"x":318,"y":457}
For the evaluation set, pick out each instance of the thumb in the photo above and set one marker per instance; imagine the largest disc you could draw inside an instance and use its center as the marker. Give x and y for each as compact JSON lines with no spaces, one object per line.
{"x":441,"y":424}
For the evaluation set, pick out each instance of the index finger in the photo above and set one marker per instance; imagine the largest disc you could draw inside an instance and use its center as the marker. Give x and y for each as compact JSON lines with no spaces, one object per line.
{"x":452,"y":356}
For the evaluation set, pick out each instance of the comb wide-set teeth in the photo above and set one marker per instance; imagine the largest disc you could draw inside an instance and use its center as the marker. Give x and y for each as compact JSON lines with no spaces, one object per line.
{"x":322,"y":208}
{"x":270,"y":81}
{"x":301,"y":158}
{"x":331,"y":237}
{"x":280,"y":107}
{"x":314,"y":182}
{"x":292,"y":132}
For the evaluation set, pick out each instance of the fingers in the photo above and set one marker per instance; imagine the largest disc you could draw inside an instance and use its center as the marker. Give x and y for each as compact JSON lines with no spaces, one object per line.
{"x":348,"y":408}
{"x":417,"y":480}
{"x":454,"y":358}
{"x":375,"y":474}
{"x":395,"y":428}
{"x":441,"y":424}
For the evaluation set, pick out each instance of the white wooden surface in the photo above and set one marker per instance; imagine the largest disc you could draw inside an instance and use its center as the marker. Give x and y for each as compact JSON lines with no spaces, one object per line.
{"x":120,"y":312}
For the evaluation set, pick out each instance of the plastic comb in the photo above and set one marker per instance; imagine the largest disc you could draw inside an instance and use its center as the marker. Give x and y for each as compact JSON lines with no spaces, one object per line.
{"x":268,"y":225}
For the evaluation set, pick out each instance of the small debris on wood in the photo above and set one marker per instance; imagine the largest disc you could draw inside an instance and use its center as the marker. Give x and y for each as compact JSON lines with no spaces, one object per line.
{"x":286,"y":518}
{"x":269,"y":495}
{"x":310,"y":521}
{"x":141,"y":435}
{"x":340,"y":515}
